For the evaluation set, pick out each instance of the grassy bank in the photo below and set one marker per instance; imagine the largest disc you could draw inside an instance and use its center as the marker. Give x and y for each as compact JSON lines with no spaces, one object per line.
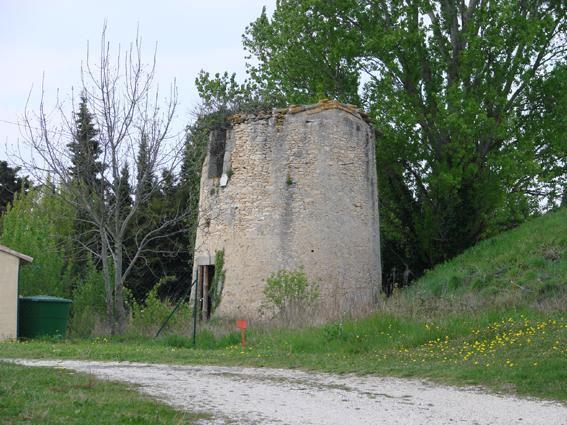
{"x":526,"y":266}
{"x":49,"y":396}
{"x":494,"y":316}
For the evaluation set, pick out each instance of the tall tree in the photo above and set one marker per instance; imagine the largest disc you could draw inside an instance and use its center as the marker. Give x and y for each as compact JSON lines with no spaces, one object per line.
{"x":85,"y":149}
{"x":86,"y":172}
{"x":445,"y":84}
{"x":123,"y":103}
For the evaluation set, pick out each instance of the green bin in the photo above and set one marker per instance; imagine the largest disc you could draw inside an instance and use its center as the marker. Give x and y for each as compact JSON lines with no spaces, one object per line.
{"x":42,"y":316}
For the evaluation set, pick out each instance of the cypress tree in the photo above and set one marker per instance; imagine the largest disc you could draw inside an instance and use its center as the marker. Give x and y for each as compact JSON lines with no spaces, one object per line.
{"x":85,"y":149}
{"x":86,"y":180}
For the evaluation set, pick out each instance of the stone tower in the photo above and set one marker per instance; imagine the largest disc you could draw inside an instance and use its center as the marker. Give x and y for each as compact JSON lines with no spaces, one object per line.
{"x":288,"y":189}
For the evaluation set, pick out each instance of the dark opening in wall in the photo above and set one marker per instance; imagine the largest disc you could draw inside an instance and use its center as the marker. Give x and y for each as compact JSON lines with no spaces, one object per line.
{"x":217,"y":146}
{"x":204,"y":286}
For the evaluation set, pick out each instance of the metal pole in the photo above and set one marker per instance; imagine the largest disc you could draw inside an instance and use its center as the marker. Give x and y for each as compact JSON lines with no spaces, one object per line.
{"x":195,"y":308}
{"x":174,"y":310}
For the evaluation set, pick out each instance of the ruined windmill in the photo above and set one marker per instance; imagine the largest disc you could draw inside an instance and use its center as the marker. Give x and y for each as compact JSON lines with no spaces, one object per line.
{"x":287,"y":189}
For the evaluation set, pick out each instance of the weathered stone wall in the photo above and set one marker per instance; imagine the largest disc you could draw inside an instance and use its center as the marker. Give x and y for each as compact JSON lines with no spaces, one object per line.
{"x":301,"y":193}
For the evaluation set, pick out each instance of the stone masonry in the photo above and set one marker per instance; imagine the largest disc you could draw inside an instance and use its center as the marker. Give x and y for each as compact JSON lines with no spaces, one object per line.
{"x":288,"y":189}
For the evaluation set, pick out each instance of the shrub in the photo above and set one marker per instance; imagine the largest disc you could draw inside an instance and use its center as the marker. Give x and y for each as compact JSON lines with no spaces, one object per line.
{"x":89,"y":306}
{"x":147,"y":317}
{"x":290,"y":296}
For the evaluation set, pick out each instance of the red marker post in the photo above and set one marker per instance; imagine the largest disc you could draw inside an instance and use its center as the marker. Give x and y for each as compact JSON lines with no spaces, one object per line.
{"x":241,"y":324}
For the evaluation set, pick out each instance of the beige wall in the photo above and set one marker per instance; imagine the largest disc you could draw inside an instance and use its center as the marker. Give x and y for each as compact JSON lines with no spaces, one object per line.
{"x":8,"y":295}
{"x":302,"y":193}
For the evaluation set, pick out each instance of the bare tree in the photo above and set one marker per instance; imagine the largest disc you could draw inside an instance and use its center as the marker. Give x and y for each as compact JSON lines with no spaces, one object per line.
{"x":125,"y":106}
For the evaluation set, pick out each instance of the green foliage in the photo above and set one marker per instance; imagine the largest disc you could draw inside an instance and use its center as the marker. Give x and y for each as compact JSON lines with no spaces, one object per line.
{"x":161,"y":199}
{"x":217,"y":284}
{"x":148,"y":316}
{"x":317,"y":60}
{"x":462,"y":147}
{"x":38,"y":224}
{"x":85,"y":172}
{"x":122,"y":198}
{"x":547,"y":99}
{"x":85,"y":150}
{"x":222,"y":93}
{"x":89,"y":306}
{"x":290,"y":295}
{"x":10,"y":183}
{"x":145,"y":176}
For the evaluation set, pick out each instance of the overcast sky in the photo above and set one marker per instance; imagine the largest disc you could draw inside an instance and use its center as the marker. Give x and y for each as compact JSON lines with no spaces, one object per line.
{"x":49,"y":37}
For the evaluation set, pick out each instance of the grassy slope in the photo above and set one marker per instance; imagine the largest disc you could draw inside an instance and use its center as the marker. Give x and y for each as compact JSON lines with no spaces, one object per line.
{"x":494,"y":316}
{"x":49,"y":396}
{"x":526,"y":265}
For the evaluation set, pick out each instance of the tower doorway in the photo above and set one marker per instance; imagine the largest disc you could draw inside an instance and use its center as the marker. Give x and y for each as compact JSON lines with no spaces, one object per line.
{"x":204,"y":284}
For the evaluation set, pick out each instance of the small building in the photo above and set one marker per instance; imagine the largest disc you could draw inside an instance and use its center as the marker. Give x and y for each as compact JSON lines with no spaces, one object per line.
{"x":9,"y":268}
{"x":288,"y":189}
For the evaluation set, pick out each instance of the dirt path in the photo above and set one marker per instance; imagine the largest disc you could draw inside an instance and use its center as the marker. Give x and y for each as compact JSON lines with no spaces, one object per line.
{"x":237,"y":395}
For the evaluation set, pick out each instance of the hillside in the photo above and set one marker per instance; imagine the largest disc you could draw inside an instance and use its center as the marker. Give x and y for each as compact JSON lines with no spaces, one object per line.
{"x":523,"y":267}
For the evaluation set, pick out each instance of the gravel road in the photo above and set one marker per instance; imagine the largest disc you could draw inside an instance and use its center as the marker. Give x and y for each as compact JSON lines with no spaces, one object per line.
{"x":235,"y":395}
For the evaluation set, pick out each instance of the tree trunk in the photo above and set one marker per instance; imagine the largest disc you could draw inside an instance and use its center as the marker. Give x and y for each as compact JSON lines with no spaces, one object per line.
{"x":119,"y":288}
{"x":107,"y":281}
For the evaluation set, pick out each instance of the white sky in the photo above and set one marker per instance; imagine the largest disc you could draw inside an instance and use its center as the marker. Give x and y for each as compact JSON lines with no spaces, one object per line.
{"x":50,"y":37}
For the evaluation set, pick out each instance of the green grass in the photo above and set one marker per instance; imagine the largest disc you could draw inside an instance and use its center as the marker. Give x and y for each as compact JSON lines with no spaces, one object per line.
{"x":31,"y":395}
{"x":494,"y":316}
{"x":524,"y":265}
{"x":523,"y":353}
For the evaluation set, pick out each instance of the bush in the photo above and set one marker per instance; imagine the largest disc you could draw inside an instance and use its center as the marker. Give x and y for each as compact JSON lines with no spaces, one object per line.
{"x":290,"y":296}
{"x":147,"y":317}
{"x":89,"y":305}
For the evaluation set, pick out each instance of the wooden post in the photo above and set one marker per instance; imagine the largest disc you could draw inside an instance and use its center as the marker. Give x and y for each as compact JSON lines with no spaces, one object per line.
{"x":200,"y":292}
{"x":206,"y":292}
